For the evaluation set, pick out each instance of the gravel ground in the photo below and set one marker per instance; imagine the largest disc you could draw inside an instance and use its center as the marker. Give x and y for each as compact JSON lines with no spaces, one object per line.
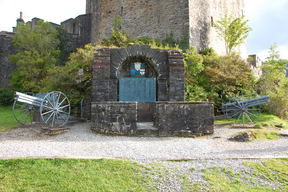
{"x":81,"y":142}
{"x":170,"y":176}
{"x":191,"y":155}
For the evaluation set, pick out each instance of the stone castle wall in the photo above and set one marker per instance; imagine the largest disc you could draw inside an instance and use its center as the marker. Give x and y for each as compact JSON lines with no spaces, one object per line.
{"x":216,"y":10}
{"x":79,"y":30}
{"x":6,"y":67}
{"x":157,"y":19}
{"x":151,"y":18}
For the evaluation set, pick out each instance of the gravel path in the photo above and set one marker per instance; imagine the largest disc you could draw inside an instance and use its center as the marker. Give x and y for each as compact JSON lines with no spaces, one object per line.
{"x":81,"y":142}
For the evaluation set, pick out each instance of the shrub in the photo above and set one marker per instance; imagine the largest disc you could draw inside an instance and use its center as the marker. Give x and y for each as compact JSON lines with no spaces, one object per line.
{"x":216,"y":78}
{"x":6,"y":96}
{"x":278,"y":104}
{"x":275,"y":84}
{"x":75,"y":77}
{"x":229,"y":76}
{"x":37,"y":53}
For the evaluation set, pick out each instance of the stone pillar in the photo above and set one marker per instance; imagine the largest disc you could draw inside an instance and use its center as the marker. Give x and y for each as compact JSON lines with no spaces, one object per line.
{"x":176,"y":75}
{"x":103,"y":89}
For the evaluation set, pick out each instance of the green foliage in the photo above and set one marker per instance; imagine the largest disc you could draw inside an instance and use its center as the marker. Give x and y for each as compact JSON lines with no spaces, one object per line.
{"x":221,"y":179}
{"x":67,"y":175}
{"x":37,"y":53}
{"x":227,"y":77}
{"x":7,"y":120}
{"x":207,"y":51}
{"x":182,"y":43}
{"x":64,"y":46}
{"x":6,"y":96}
{"x":193,"y":63}
{"x":262,"y":121}
{"x":214,"y":78}
{"x":119,"y":38}
{"x":265,"y":134}
{"x":273,"y":171}
{"x":275,"y":84}
{"x":234,"y":32}
{"x":75,"y":77}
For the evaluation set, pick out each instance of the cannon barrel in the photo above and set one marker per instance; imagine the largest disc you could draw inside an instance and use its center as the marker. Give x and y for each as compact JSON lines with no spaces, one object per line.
{"x":249,"y":103}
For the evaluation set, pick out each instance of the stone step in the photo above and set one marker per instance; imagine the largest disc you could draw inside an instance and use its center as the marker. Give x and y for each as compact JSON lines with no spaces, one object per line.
{"x":147,"y":129}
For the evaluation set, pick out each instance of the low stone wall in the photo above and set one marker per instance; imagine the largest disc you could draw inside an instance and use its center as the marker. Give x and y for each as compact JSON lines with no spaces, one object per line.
{"x":184,"y":119}
{"x":114,"y":118}
{"x":170,"y":118}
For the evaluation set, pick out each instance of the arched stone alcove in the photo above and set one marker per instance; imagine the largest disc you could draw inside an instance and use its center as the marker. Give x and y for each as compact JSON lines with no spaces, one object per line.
{"x":168,"y":115}
{"x":150,"y":68}
{"x":165,"y":65}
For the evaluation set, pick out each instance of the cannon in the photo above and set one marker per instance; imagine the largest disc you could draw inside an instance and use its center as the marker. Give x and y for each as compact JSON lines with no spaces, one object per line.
{"x":243,"y":109}
{"x":53,"y":108}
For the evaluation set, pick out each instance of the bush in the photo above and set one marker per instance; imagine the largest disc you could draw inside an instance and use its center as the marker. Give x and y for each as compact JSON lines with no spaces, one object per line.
{"x":275,"y":84}
{"x":278,"y":104}
{"x":228,"y":76}
{"x":6,"y":96}
{"x":75,"y":77}
{"x":216,"y":78}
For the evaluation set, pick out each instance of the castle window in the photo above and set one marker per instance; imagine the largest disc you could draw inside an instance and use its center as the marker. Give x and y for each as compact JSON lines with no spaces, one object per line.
{"x":122,"y":10}
{"x":212,"y":21}
{"x":74,"y":28}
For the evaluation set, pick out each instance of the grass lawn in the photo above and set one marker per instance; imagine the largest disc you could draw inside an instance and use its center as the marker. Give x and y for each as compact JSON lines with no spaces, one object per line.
{"x":262,"y":120}
{"x":111,"y":175}
{"x":7,"y":120}
{"x":271,"y":171}
{"x":267,"y":126}
{"x":71,"y":175}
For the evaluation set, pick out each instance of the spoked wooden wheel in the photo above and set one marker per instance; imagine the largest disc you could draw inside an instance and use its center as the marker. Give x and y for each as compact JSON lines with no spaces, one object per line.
{"x":23,"y":112}
{"x":244,"y":113}
{"x":55,"y":109}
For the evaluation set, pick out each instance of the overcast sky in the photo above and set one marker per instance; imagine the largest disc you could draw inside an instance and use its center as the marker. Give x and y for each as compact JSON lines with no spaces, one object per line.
{"x":267,"y":18}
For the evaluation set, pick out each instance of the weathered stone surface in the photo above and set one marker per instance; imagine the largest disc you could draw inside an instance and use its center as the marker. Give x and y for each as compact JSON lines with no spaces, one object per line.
{"x":79,"y":30}
{"x":171,"y":119}
{"x":192,"y":19}
{"x":114,"y":118}
{"x":243,"y":137}
{"x":184,"y":119}
{"x":284,"y":133}
{"x":6,"y":67}
{"x":126,"y":118}
{"x":107,"y":68}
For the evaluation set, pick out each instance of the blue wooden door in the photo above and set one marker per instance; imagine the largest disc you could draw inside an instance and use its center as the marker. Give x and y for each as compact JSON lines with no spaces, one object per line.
{"x":137,"y":89}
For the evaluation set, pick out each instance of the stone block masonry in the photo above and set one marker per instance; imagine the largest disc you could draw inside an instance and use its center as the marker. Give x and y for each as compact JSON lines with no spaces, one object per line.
{"x":171,"y":119}
{"x":170,"y":115}
{"x":114,"y":118}
{"x":6,"y":67}
{"x":107,"y":68}
{"x":184,"y":119}
{"x":185,"y":19}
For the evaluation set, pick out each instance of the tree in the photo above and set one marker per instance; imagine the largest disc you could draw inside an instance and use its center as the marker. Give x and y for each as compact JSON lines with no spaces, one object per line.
{"x":65,"y":46}
{"x":226,"y":77}
{"x":75,"y":77}
{"x":274,"y":83}
{"x":216,"y":78}
{"x":274,"y":71}
{"x":37,"y":53}
{"x":234,"y":32}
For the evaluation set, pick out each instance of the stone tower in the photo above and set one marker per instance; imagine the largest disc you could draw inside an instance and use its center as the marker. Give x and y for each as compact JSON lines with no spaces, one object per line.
{"x":158,"y":18}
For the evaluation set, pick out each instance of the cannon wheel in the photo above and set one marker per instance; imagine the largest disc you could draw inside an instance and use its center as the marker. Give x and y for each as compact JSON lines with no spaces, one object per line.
{"x":23,"y":113}
{"x":244,"y":112}
{"x":55,"y":109}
